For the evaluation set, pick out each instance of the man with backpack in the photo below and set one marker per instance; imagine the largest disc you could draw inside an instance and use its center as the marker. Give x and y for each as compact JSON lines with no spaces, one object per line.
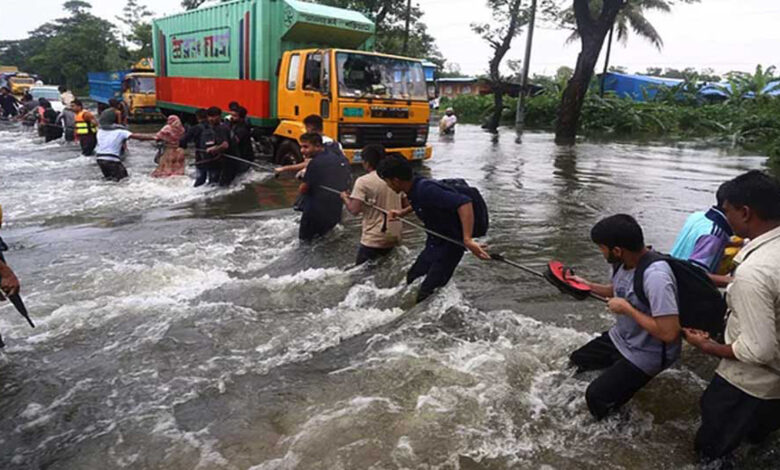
{"x":705,"y":237}
{"x":444,"y":209}
{"x":742,"y":402}
{"x":645,"y":340}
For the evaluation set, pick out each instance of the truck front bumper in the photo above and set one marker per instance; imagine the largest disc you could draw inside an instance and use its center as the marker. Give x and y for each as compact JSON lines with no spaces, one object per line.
{"x":410,"y":153}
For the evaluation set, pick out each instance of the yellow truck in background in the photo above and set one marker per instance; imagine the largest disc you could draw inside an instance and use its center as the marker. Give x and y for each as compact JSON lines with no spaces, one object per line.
{"x":18,"y":82}
{"x":135,"y":87}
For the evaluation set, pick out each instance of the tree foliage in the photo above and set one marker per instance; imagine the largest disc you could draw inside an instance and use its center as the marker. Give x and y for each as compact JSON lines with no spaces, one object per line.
{"x":138,"y":28}
{"x":508,"y":18}
{"x":64,"y":50}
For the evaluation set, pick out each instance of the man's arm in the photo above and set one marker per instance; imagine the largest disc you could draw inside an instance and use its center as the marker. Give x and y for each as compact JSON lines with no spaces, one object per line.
{"x":701,"y":340}
{"x":661,"y":290}
{"x":721,"y":280}
{"x":664,"y":328}
{"x":466,"y":214}
{"x":142,"y":137}
{"x":603,"y":290}
{"x":353,"y":205}
{"x":9,"y":283}
{"x":293,"y":168}
{"x":757,"y":340}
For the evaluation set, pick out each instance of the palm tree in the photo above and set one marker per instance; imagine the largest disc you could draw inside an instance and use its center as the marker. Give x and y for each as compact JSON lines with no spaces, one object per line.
{"x":594,"y":20}
{"x":630,"y":17}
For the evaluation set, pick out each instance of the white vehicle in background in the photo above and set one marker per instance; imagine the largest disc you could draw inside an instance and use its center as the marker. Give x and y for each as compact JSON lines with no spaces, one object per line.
{"x":49,"y":92}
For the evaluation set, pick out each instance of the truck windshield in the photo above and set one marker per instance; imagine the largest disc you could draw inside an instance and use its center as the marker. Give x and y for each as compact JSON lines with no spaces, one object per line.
{"x":51,"y":94}
{"x":142,"y":85}
{"x":371,"y":76}
{"x":22,"y":80}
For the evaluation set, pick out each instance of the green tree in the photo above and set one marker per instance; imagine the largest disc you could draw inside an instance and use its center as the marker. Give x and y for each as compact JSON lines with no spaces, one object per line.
{"x":138,"y":29}
{"x":64,"y":50}
{"x":594,"y":19}
{"x":508,"y":17}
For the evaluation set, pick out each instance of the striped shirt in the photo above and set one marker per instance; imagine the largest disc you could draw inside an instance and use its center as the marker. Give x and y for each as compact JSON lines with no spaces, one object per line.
{"x":703,"y":239}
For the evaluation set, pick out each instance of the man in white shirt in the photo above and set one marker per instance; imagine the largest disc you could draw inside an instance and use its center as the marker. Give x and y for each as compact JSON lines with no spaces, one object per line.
{"x":743,"y":400}
{"x":66,"y":96}
{"x":110,"y":139}
{"x":448,"y":121}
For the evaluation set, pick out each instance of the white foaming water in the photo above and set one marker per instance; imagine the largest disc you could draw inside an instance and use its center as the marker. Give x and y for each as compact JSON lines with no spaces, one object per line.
{"x":181,"y":339}
{"x":45,"y":181}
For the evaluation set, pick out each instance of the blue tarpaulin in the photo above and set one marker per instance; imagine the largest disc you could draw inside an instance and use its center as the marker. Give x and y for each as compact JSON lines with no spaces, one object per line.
{"x":632,"y":86}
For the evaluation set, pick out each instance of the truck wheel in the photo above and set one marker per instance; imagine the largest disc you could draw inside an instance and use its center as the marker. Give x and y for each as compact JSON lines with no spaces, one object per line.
{"x":288,"y":153}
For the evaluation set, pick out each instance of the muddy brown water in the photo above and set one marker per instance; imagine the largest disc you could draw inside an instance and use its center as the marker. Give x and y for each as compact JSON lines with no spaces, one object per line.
{"x":184,"y":328}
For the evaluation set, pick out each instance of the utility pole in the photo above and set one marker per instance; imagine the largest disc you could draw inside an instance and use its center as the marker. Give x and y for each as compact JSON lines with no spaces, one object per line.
{"x":408,"y":21}
{"x":606,"y":61}
{"x":520,"y":114}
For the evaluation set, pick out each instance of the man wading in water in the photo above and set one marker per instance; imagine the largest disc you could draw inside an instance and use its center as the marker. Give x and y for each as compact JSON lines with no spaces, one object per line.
{"x":379,"y":235}
{"x":442,"y":210}
{"x":742,"y":403}
{"x":646,"y":337}
{"x":110,"y":140}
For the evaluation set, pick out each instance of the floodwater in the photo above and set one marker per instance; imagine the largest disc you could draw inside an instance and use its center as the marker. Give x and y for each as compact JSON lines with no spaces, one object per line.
{"x":183,"y":328}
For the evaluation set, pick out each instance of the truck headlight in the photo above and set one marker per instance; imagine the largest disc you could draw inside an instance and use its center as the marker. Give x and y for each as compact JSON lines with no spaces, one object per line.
{"x":422,"y":135}
{"x":349,"y":139}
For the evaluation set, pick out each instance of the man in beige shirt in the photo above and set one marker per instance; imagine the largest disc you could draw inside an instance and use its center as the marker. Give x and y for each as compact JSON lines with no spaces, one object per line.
{"x":743,"y":400}
{"x":380,"y":235}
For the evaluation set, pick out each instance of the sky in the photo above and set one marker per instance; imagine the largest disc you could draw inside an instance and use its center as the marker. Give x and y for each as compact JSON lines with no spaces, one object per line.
{"x":723,"y":35}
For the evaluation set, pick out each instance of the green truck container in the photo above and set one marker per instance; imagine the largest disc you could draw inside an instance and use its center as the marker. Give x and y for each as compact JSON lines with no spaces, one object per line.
{"x":237,"y":51}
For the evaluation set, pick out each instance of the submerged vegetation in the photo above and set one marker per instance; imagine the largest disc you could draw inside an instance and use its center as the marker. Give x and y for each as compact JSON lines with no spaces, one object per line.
{"x":743,"y":120}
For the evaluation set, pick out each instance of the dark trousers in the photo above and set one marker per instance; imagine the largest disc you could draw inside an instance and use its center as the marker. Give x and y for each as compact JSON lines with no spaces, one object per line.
{"x":617,"y":384}
{"x":88,"y":143}
{"x":437,"y":263}
{"x":730,"y":416}
{"x":206,"y":172}
{"x":313,"y":227}
{"x":367,"y":253}
{"x":114,"y":171}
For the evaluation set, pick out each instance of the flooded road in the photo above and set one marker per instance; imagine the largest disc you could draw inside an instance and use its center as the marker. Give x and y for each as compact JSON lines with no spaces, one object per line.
{"x":184,"y":328}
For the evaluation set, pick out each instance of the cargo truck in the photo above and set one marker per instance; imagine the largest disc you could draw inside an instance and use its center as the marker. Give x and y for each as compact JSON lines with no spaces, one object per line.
{"x":18,"y":83}
{"x":136,"y":87}
{"x":284,"y":60}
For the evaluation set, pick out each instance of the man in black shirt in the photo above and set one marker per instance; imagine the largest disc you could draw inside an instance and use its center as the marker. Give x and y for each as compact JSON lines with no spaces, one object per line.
{"x":8,"y":103}
{"x":212,"y":140}
{"x":321,"y":208}
{"x":240,"y":147}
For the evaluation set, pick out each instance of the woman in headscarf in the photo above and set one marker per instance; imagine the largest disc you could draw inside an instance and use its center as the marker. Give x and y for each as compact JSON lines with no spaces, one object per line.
{"x":172,"y":162}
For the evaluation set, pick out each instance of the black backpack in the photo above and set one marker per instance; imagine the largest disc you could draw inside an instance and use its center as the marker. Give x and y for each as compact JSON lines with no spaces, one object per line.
{"x":701,"y":304}
{"x":481,"y":217}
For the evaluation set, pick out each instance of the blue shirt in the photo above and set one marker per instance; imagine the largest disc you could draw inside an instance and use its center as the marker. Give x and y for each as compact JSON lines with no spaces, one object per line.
{"x":437,"y":206}
{"x":703,"y":239}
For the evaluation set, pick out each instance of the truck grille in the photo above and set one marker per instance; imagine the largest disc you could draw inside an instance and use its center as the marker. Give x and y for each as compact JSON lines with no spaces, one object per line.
{"x":388,"y":136}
